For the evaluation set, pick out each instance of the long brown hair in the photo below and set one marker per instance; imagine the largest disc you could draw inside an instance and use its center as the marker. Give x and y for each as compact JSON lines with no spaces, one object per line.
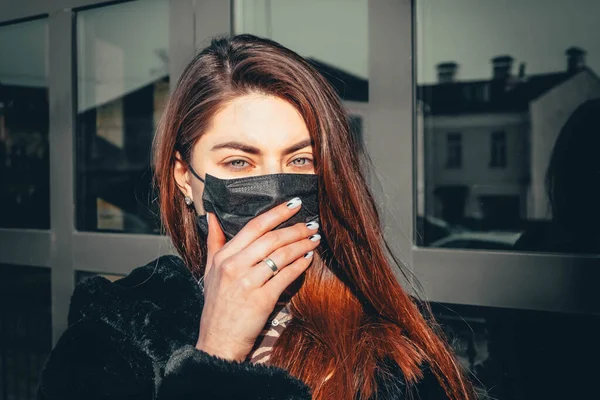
{"x":351,"y":318}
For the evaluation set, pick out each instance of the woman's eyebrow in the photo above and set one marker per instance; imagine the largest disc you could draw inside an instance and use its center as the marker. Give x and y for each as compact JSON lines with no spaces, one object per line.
{"x":298,"y":146}
{"x":246,"y":148}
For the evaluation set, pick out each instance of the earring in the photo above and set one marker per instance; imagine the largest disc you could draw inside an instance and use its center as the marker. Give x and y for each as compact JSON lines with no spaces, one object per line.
{"x":188,"y":200}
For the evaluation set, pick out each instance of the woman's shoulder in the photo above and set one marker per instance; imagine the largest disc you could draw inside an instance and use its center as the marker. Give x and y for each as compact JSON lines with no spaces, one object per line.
{"x":163,"y":287}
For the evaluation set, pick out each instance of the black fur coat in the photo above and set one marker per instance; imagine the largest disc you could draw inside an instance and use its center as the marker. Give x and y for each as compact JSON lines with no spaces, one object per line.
{"x":134,"y":339}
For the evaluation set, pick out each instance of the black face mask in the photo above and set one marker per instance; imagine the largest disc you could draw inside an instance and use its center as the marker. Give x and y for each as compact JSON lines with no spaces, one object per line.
{"x":236,"y":201}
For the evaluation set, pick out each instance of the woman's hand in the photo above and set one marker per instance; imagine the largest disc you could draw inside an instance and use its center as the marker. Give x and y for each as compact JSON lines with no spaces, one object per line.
{"x":240,"y":290}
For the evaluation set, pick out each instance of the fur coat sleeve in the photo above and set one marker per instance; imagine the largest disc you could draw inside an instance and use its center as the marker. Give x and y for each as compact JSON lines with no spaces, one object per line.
{"x":134,"y":339}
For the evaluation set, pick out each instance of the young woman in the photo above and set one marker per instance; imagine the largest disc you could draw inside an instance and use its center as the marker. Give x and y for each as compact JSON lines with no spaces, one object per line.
{"x":284,"y":289}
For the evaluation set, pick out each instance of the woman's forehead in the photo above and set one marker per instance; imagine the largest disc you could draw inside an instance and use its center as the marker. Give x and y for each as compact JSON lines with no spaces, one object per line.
{"x":267,"y":122}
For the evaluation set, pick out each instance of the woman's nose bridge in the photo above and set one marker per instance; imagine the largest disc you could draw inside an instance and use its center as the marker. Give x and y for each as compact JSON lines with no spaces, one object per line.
{"x":273,"y":169}
{"x":273,"y":165}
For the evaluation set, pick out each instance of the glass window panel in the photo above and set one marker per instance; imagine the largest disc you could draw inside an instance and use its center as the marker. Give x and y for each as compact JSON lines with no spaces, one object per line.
{"x":332,"y":34}
{"x":497,"y":161}
{"x":123,"y":84}
{"x":25,"y":328}
{"x":24,"y":159}
{"x":519,"y":354}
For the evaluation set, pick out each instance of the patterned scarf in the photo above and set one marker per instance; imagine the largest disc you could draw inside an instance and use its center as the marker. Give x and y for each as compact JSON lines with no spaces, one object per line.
{"x":278,"y":320}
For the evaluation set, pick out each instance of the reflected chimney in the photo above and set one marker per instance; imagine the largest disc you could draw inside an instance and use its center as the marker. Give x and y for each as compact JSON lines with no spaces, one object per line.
{"x":502,"y":67}
{"x":522,"y":71}
{"x":447,"y":71}
{"x":575,"y":59}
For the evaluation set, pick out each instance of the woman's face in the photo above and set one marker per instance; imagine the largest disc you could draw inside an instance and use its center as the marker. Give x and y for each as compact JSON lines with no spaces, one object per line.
{"x":252,"y":135}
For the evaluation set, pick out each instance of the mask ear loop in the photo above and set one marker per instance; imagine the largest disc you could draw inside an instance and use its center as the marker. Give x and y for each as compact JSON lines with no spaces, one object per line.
{"x":188,"y":200}
{"x":194,"y":173}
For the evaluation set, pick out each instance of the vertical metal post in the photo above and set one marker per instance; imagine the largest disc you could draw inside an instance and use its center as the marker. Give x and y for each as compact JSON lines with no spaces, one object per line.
{"x":390,"y":138}
{"x":62,"y":77}
{"x":182,"y":26}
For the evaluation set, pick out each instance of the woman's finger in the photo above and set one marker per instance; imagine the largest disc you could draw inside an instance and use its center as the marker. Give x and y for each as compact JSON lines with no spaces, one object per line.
{"x":280,"y":259}
{"x":215,"y":241}
{"x":260,"y":225}
{"x":277,"y":239}
{"x":278,"y":283}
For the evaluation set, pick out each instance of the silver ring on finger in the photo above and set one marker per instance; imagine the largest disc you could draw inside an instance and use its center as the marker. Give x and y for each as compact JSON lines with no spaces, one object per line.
{"x":271,"y":265}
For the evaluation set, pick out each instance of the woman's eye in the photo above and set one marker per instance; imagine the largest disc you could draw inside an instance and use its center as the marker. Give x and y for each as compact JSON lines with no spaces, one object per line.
{"x":238,"y":163}
{"x":300,"y":162}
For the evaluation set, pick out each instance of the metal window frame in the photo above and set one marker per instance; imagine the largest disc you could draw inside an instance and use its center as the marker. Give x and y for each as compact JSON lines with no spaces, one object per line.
{"x":62,"y":101}
{"x":38,"y":241}
{"x":491,"y":279}
{"x":62,"y":248}
{"x":542,"y":282}
{"x":12,"y":11}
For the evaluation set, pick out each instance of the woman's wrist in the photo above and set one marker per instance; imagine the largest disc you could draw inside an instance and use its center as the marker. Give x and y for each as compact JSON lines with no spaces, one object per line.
{"x":219,"y":351}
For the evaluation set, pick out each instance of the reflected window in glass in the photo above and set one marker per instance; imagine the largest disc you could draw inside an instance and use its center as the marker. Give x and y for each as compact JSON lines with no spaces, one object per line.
{"x":24,"y":123}
{"x":454,"y":150}
{"x":123,"y":85}
{"x":498,"y":150}
{"x":524,"y":100}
